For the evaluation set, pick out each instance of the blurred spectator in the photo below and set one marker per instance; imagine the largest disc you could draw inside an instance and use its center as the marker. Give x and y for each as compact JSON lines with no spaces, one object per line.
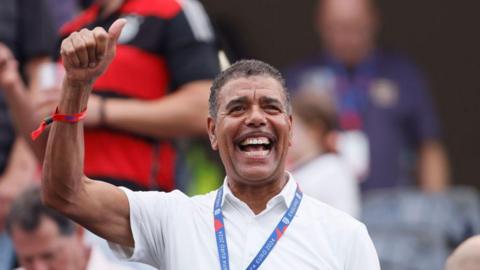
{"x":62,"y":11}
{"x":378,"y":93}
{"x":27,"y":36}
{"x":44,"y":239}
{"x":155,"y":90}
{"x":466,"y":256}
{"x":320,"y":172}
{"x":166,"y":57}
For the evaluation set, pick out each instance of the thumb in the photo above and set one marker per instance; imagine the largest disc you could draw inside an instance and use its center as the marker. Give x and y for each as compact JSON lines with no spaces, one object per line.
{"x":114,"y":31}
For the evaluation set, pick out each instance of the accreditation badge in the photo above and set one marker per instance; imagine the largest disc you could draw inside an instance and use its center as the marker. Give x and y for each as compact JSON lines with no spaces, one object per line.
{"x":384,"y":93}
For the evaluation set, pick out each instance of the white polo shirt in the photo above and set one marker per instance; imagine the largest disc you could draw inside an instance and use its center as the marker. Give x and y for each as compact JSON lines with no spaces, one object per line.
{"x":173,"y":231}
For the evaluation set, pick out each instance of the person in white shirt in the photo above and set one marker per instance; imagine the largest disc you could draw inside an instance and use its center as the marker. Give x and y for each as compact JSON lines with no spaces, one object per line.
{"x":45,"y":239}
{"x":258,"y":218}
{"x":315,"y":164}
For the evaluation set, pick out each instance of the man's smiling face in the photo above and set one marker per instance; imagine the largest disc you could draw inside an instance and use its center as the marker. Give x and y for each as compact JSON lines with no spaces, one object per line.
{"x":252,"y":129}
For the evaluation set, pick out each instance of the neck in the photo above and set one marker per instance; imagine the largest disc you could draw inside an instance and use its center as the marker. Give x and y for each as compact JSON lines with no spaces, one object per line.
{"x":358,"y":59}
{"x":257,"y":197}
{"x":110,"y":6}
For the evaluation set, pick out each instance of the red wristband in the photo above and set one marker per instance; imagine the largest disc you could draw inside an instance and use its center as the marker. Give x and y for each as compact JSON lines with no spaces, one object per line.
{"x":69,"y":118}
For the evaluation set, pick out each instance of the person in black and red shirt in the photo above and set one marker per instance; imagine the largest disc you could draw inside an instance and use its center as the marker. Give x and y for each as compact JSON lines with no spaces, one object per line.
{"x":155,"y":90}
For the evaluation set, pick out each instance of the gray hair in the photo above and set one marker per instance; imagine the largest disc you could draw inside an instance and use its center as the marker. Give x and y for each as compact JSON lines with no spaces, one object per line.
{"x":28,"y":210}
{"x":245,"y":69}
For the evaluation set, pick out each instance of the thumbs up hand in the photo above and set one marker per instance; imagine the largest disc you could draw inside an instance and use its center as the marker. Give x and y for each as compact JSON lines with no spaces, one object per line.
{"x":86,"y":54}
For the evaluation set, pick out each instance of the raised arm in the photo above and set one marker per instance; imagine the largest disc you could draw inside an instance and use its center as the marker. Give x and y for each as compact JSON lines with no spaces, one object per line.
{"x":100,"y":207}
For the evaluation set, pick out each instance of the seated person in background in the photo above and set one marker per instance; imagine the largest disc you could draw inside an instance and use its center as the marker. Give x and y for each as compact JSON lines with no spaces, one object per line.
{"x":44,"y":239}
{"x":466,"y":256}
{"x":320,"y":172}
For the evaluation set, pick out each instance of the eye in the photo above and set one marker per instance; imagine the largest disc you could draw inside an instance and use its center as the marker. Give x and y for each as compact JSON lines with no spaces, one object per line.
{"x":236,"y":109}
{"x":273,"y":109}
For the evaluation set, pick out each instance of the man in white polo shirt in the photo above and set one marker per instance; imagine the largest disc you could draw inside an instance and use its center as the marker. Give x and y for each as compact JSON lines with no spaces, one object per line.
{"x":259,"y":218}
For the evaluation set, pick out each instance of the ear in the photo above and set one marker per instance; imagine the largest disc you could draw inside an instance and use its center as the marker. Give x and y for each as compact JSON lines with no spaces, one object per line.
{"x":211,"y":133}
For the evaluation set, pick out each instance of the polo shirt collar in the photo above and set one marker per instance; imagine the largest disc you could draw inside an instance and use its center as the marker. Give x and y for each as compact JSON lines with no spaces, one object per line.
{"x":285,"y":196}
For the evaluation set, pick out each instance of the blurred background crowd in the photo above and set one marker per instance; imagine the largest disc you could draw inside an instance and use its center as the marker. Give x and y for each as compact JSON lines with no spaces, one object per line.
{"x":383,"y":97}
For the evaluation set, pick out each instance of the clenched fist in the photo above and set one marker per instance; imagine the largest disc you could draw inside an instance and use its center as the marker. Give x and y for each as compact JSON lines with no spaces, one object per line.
{"x":86,"y":54}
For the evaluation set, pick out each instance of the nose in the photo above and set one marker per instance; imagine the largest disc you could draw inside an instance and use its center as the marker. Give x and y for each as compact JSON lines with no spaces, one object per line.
{"x":256,"y":117}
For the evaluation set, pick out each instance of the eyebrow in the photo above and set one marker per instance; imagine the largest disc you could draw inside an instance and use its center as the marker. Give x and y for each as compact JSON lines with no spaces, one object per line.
{"x":269,"y":100}
{"x":236,"y":101}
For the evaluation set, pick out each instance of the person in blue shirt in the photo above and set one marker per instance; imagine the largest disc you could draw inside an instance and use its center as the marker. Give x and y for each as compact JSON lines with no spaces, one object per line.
{"x":379,"y":93}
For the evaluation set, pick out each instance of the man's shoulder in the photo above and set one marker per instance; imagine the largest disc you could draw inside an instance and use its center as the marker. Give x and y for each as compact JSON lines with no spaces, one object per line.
{"x":204,"y":200}
{"x":164,"y":203}
{"x":174,"y":194}
{"x":346,"y":237}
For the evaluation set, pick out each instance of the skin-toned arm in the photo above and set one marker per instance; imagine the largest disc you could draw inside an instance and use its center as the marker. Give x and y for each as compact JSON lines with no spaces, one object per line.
{"x":182,"y":113}
{"x":98,"y":206}
{"x":24,"y":107}
{"x":24,"y":116}
{"x":433,"y":167}
{"x":18,"y":175}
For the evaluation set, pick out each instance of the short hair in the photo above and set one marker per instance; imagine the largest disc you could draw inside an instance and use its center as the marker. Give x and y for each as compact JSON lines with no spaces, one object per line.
{"x":245,"y":69}
{"x":28,"y":210}
{"x":316,"y":111}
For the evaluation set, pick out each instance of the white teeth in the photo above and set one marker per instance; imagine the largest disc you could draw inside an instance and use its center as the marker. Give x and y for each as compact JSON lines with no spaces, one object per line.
{"x":257,"y":140}
{"x":257,"y":153}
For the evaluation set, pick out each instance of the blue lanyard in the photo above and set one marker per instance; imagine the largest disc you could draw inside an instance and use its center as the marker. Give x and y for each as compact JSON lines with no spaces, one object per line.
{"x":221,"y":235}
{"x":352,"y":91}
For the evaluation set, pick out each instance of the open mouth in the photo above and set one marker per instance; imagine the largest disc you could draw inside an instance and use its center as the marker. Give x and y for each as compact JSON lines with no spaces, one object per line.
{"x":256,"y":146}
